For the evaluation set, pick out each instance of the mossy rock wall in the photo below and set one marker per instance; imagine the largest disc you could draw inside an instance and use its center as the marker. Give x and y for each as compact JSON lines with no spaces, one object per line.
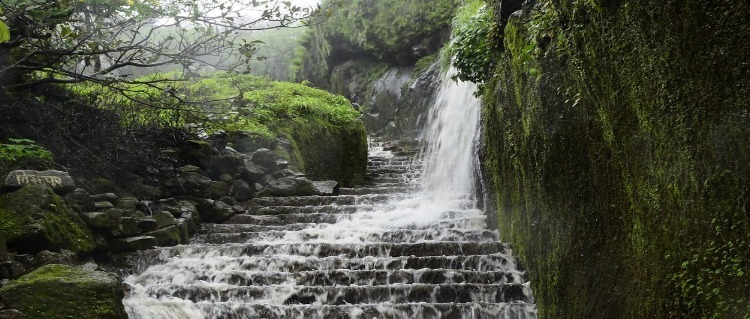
{"x":34,"y":218}
{"x":324,"y":151}
{"x":58,"y":291}
{"x":616,"y":147}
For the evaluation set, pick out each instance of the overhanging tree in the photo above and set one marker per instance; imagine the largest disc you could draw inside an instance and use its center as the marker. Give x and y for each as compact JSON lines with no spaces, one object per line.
{"x":111,"y":42}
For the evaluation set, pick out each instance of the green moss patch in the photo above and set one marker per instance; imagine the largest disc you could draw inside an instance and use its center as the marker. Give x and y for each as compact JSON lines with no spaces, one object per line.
{"x":57,"y":291}
{"x":34,"y":219}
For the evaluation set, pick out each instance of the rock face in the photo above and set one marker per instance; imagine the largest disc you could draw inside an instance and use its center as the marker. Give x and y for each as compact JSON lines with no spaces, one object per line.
{"x":289,"y":186}
{"x":59,"y":181}
{"x":34,"y":218}
{"x":618,"y":157}
{"x":57,"y":291}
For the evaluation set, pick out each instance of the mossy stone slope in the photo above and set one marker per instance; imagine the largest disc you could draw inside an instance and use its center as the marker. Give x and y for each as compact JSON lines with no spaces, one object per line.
{"x":65,"y":292}
{"x":616,"y":147}
{"x":34,"y":218}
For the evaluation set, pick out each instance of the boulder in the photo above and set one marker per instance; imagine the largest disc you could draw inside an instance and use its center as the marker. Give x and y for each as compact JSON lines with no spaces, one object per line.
{"x":106,"y":197}
{"x":60,"y":182}
{"x":81,"y":197}
{"x":215,"y":211}
{"x":127,"y":203}
{"x":97,"y":220}
{"x":242,"y":191}
{"x":167,"y":236}
{"x":245,"y":142}
{"x":133,"y":244}
{"x":265,"y":158}
{"x":11,"y":314}
{"x":252,"y":172}
{"x":193,"y":184}
{"x":126,"y":226}
{"x":147,"y":223}
{"x":219,"y":189}
{"x":34,"y":219}
{"x":164,"y":219}
{"x":327,"y":188}
{"x":103,"y":205}
{"x":228,"y":163}
{"x":11,"y":269}
{"x":288,"y":186}
{"x":58,"y":291}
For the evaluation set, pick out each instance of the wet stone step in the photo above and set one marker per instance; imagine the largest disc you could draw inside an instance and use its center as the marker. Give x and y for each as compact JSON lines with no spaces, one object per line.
{"x":329,"y":209}
{"x":376,"y":190}
{"x":341,"y":250}
{"x":391,"y":236}
{"x":341,"y":295}
{"x":324,"y":200}
{"x":467,"y":217}
{"x":289,"y":263}
{"x":336,"y":277}
{"x":472,"y":310}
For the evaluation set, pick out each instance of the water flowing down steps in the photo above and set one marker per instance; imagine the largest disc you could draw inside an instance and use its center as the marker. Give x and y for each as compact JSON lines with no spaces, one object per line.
{"x":378,"y":251}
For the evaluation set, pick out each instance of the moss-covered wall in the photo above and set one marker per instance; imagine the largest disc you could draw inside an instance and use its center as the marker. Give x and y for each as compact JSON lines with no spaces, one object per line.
{"x":616,"y":145}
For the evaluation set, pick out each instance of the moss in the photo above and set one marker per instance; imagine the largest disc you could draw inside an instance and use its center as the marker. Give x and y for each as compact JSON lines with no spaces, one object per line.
{"x":615,"y":136}
{"x":34,"y":219}
{"x":87,"y":294}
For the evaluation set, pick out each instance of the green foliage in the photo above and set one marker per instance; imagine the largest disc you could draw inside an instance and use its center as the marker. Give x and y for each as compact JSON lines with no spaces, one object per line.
{"x":475,"y":42}
{"x":23,"y":152}
{"x":4,"y":32}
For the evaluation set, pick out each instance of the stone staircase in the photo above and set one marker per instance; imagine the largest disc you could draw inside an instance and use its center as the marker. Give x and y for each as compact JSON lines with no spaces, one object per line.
{"x":370,"y":252}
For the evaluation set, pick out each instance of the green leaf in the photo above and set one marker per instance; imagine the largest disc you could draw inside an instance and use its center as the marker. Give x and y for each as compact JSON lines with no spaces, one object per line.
{"x":4,"y":32}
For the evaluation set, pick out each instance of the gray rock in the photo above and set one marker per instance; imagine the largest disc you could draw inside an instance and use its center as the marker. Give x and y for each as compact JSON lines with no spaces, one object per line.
{"x":147,"y":224}
{"x":194,"y":184}
{"x":114,"y":213}
{"x":127,"y":203}
{"x":219,"y":189}
{"x":287,"y":186}
{"x":11,"y":314}
{"x":215,"y":211}
{"x":188,"y":169}
{"x":241,"y":191}
{"x":106,"y":197}
{"x":133,"y":244}
{"x":165,"y":219}
{"x":126,"y":226}
{"x":82,"y":198}
{"x":59,"y":181}
{"x":228,"y":163}
{"x":252,"y":172}
{"x":168,"y":236}
{"x":103,"y":205}
{"x":266,"y":158}
{"x":282,"y":163}
{"x":327,"y":188}
{"x":47,"y":257}
{"x":184,"y":227}
{"x":11,"y":269}
{"x":97,"y":220}
{"x":246,"y":142}
{"x":266,"y":179}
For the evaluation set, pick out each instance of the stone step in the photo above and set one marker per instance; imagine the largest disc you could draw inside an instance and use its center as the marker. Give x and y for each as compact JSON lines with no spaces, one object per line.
{"x":474,"y":310}
{"x":447,"y":218}
{"x":328,"y":250}
{"x":341,"y":295}
{"x":329,"y":209}
{"x":391,"y":236}
{"x":164,"y":262}
{"x":324,"y":200}
{"x":377,"y":190}
{"x":338,"y":277}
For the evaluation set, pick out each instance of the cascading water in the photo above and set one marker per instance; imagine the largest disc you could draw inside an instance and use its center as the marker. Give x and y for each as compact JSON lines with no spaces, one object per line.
{"x":412,"y":245}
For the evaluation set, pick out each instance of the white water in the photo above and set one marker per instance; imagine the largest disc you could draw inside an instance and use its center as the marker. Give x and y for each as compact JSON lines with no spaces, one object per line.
{"x":446,"y":185}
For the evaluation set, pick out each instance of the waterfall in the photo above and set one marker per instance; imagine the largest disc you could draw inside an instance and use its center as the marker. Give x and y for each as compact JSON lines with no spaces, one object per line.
{"x":410,"y":245}
{"x":449,"y":138}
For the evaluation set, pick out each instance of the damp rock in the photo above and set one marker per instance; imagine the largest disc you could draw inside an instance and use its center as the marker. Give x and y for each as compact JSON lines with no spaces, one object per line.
{"x":285,"y":187}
